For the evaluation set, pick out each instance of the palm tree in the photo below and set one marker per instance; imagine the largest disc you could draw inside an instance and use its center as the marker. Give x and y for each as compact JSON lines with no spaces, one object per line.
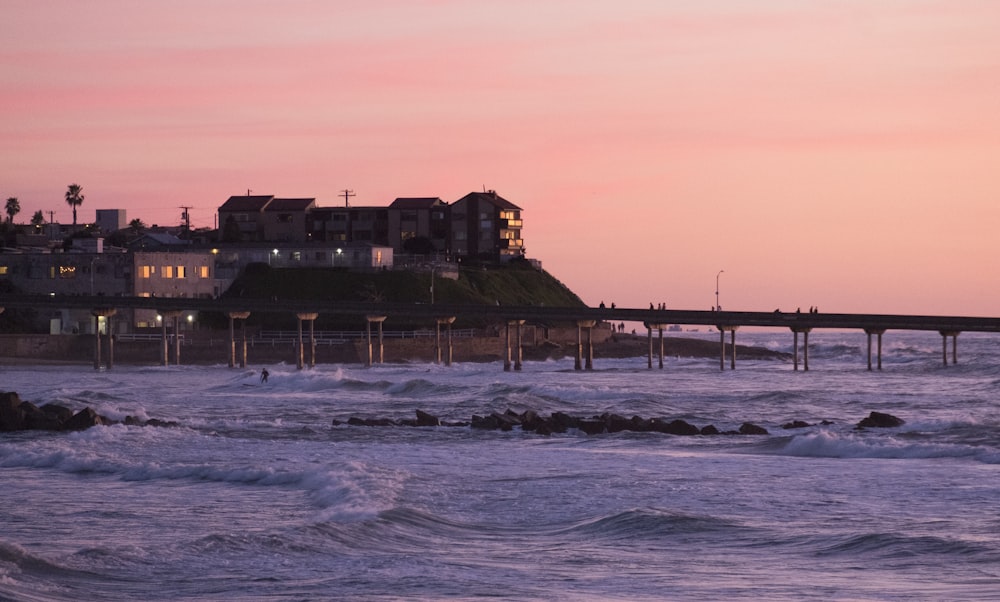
{"x":13,"y":208}
{"x":38,"y":219}
{"x":137,"y":226}
{"x":74,"y":197}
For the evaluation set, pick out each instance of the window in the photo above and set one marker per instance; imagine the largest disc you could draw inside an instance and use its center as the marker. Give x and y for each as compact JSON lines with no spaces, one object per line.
{"x":67,"y":271}
{"x":203,"y":271}
{"x":378,"y":257}
{"x":168,"y":271}
{"x":145,"y":271}
{"x":181,"y":271}
{"x":3,"y":270}
{"x":284,"y":218}
{"x":296,"y":256}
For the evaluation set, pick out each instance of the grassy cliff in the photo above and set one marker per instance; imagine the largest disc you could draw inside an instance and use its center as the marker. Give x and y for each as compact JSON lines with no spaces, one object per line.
{"x":517,"y":283}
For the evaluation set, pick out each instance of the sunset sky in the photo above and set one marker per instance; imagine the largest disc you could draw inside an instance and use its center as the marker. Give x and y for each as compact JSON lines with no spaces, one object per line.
{"x":837,"y":153}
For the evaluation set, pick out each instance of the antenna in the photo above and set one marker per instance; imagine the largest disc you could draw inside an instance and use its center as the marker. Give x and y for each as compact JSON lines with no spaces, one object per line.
{"x":347,"y":194}
{"x":186,"y":217}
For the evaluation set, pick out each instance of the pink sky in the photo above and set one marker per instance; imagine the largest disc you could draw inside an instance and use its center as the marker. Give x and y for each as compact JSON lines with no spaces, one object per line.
{"x":841,"y":153}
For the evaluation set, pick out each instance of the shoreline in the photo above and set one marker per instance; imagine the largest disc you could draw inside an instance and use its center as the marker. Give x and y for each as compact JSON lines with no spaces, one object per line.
{"x":78,"y":350}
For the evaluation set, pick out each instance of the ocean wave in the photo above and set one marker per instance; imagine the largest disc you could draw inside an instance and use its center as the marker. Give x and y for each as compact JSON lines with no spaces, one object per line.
{"x":343,"y":492}
{"x":897,"y":546}
{"x":642,"y":523}
{"x":829,"y":444}
{"x":30,"y":577}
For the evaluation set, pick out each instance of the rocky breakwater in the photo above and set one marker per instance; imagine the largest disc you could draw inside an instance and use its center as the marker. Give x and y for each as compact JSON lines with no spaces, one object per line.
{"x":560,"y":422}
{"x":18,"y":415}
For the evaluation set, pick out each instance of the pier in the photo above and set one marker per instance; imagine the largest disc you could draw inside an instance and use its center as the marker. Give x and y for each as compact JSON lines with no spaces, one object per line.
{"x":511,"y":317}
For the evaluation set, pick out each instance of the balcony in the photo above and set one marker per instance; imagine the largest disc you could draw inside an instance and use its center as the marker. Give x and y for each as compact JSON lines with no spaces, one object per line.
{"x":511,"y":223}
{"x":511,"y":243}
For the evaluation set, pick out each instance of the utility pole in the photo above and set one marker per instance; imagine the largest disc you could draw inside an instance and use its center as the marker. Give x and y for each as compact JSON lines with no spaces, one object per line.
{"x":347,"y":194}
{"x":186,"y":217}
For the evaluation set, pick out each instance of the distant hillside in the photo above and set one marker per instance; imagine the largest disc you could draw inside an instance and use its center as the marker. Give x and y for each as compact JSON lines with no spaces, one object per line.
{"x":517,"y":283}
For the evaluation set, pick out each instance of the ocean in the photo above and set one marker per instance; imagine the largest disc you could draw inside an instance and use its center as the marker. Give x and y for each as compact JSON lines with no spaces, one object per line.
{"x":257,"y":495}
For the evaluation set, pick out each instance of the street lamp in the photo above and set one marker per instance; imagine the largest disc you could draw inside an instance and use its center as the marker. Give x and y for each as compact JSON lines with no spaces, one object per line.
{"x":717,"y":306}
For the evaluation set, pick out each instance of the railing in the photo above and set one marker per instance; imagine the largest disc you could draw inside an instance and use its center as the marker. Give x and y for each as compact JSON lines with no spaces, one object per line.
{"x":337,"y":337}
{"x":133,"y":336}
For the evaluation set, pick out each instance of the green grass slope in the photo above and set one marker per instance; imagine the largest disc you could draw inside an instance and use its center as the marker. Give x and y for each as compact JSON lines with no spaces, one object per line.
{"x":517,"y":283}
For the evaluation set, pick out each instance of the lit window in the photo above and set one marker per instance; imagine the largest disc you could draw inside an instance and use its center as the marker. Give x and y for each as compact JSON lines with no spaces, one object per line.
{"x":145,"y":271}
{"x":181,"y":271}
{"x":3,"y":270}
{"x":168,"y":271}
{"x":203,"y":271}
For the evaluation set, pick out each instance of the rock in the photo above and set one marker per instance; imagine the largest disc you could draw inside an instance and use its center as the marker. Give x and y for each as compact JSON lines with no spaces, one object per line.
{"x":675,"y":427}
{"x":61,"y":413}
{"x":488,"y":423}
{"x":355,"y":421}
{"x":640,"y":424}
{"x":795,"y":424}
{"x":881,"y":421}
{"x":560,"y":422}
{"x":507,"y":421}
{"x":11,"y":415}
{"x":614,"y":423}
{"x":425,"y":419}
{"x":591,"y":427}
{"x":37,"y":419}
{"x":709,"y":429}
{"x":531,"y":421}
{"x":748,"y":428}
{"x":84,"y":419}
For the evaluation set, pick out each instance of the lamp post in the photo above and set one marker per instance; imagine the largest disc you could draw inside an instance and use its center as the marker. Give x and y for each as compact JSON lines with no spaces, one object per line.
{"x":717,"y":306}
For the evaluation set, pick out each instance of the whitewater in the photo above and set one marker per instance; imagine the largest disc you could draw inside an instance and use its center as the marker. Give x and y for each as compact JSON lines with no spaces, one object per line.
{"x":258,"y":495}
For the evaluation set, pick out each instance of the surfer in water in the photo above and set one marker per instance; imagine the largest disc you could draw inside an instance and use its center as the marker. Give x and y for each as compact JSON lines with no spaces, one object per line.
{"x":263,"y":375}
